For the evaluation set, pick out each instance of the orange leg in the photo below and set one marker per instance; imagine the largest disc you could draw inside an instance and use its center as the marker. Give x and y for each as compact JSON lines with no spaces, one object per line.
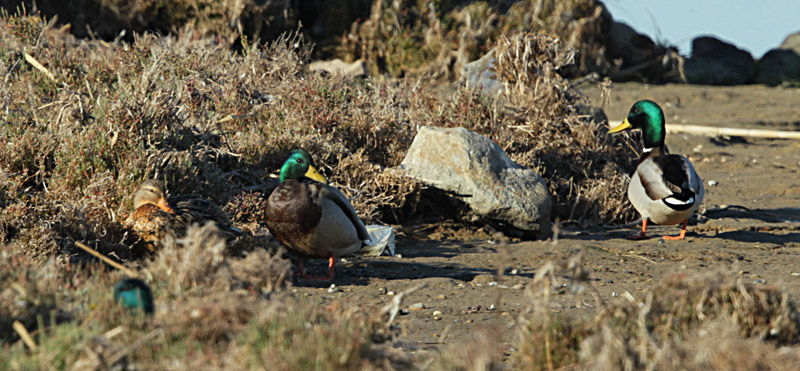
{"x":680,"y":236}
{"x":303,"y":274}
{"x":643,"y":235}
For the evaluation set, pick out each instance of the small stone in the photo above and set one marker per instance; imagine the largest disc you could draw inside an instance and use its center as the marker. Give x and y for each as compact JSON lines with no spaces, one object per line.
{"x":518,"y":286}
{"x":712,"y":183}
{"x":514,"y":271}
{"x":416,"y":306}
{"x":333,"y":288}
{"x":758,"y":282}
{"x":441,"y":297}
{"x":491,"y":307}
{"x":483,"y":279}
{"x":399,"y":256}
{"x":493,"y":283}
{"x":437,"y":313}
{"x":437,"y":318}
{"x":744,"y":272}
{"x":469,"y":321}
{"x":390,"y":293}
{"x":614,"y":294}
{"x":382,"y":291}
{"x":795,"y":274}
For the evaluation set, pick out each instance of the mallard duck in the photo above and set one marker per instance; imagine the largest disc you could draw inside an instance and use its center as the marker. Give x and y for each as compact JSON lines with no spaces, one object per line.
{"x":134,"y":294}
{"x":310,"y":217}
{"x":155,"y":216}
{"x":664,"y":188}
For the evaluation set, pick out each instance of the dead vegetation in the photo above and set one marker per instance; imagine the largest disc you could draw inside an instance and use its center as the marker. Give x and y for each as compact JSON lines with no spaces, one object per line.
{"x":437,"y":38}
{"x":210,"y":311}
{"x":689,"y":321}
{"x":86,"y":121}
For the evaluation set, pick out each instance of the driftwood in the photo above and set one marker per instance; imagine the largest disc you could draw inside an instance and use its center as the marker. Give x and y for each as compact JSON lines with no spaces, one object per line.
{"x":722,"y":131}
{"x":107,"y":260}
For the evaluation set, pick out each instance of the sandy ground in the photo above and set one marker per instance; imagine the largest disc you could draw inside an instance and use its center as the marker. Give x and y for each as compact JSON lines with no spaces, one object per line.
{"x":749,"y":225}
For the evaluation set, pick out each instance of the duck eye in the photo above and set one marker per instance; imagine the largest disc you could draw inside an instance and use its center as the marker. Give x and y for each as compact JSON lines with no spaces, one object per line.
{"x":299,"y":160}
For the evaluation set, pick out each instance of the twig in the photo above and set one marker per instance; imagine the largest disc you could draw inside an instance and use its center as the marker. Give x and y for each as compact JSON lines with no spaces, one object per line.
{"x":24,"y":334}
{"x":232,"y":117}
{"x":394,"y":307}
{"x":89,"y":318}
{"x":113,"y":332}
{"x":622,"y":226}
{"x":124,"y":352}
{"x":641,"y":257}
{"x":106,"y":259}
{"x":39,"y":66}
{"x":722,"y":131}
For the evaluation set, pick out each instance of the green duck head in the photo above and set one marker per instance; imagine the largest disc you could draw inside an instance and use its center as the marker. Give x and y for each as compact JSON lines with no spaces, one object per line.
{"x":648,"y":117}
{"x":134,"y":294}
{"x":298,"y":166}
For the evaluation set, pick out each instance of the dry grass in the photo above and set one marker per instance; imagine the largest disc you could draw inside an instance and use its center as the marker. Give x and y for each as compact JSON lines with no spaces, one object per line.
{"x":437,"y":38}
{"x":78,"y":139}
{"x":211,"y":311}
{"x":550,"y":130}
{"x":694,"y":322}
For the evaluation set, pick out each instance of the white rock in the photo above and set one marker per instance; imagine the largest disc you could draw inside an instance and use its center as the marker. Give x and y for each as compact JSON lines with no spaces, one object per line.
{"x":482,"y":175}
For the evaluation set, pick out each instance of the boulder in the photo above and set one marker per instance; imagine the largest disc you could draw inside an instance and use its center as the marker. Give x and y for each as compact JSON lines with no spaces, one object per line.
{"x":777,"y":66}
{"x":480,"y":73}
{"x":715,"y":62}
{"x":479,"y":173}
{"x":338,"y":67}
{"x":792,"y":42}
{"x":631,"y":46}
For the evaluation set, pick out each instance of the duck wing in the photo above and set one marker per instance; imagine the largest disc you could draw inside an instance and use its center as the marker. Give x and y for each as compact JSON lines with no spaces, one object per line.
{"x":190,"y":209}
{"x":669,"y":178}
{"x":335,"y":195}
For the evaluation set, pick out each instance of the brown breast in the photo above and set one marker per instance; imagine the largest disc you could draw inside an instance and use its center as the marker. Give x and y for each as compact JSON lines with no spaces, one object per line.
{"x":152,"y":225}
{"x":292,"y":216}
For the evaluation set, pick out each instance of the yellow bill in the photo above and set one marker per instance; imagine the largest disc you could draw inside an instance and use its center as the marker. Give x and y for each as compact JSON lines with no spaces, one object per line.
{"x":623,"y":126}
{"x":313,"y":174}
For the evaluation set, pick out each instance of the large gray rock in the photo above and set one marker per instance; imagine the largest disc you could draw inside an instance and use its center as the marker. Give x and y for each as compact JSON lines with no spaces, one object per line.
{"x":475,"y":168}
{"x":792,"y":42}
{"x":715,"y":62}
{"x":777,"y":66}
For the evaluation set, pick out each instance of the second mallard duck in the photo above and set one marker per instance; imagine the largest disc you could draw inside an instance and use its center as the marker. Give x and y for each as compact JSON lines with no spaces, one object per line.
{"x":155,"y":216}
{"x":310,"y":217}
{"x":664,"y":188}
